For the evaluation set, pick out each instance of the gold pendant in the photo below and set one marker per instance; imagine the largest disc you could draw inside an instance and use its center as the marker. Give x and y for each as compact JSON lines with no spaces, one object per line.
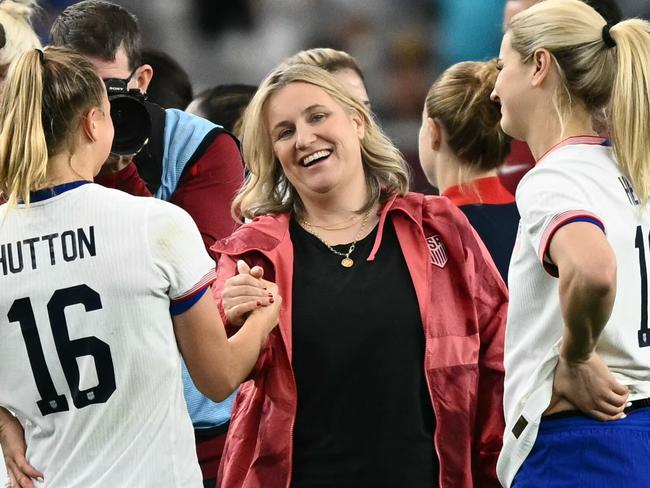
{"x":347,"y":262}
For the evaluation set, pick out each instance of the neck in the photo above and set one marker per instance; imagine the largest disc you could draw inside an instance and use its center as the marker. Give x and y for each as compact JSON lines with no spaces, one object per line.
{"x":579,"y":124}
{"x":453,"y":172}
{"x":65,"y":167}
{"x":332,"y":211}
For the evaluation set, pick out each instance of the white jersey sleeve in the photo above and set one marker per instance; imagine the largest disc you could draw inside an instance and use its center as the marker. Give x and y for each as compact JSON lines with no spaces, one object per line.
{"x":551,"y":196}
{"x":177,"y":250}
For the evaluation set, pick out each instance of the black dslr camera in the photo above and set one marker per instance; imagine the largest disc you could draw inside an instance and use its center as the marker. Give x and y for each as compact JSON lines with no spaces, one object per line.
{"x":131,"y":119}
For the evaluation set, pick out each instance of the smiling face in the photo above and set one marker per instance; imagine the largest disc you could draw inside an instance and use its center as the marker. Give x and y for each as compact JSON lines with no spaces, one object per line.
{"x":317,"y":142}
{"x":512,"y":91}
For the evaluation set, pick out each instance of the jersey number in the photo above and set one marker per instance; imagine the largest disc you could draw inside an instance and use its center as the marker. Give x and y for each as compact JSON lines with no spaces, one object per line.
{"x":68,"y":350}
{"x":644,"y":332}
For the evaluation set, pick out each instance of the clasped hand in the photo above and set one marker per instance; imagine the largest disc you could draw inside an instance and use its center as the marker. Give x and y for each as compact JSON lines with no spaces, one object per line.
{"x":246,"y":292}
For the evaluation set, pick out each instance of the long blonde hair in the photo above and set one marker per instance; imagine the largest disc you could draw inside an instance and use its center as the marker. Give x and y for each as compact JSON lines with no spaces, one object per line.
{"x":460,"y":100}
{"x":267,"y":189}
{"x":595,"y":75}
{"x":45,"y":93}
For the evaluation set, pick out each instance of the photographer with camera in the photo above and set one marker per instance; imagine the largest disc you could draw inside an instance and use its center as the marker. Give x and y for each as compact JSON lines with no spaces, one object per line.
{"x":168,"y":154}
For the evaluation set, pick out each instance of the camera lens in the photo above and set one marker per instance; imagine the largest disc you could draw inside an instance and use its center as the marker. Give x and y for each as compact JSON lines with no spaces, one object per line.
{"x":132,"y":124}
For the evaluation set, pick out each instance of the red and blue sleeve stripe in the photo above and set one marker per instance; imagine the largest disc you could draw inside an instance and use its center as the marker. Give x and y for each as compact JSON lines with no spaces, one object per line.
{"x":183,"y":303}
{"x":556,"y":224}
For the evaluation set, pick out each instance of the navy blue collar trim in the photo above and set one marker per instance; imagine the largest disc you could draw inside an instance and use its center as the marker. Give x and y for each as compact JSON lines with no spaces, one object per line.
{"x":45,"y":193}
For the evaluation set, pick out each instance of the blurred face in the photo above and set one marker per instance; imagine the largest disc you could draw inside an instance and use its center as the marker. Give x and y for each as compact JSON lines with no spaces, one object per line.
{"x":316,"y":140}
{"x":513,"y":7}
{"x":425,"y":149}
{"x":512,"y":90}
{"x":353,"y":82}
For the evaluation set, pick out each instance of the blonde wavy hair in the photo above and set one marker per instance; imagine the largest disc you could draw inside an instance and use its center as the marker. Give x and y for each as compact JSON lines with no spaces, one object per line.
{"x":40,"y":121}
{"x":267,"y":190}
{"x":460,"y":100}
{"x":594,"y":75}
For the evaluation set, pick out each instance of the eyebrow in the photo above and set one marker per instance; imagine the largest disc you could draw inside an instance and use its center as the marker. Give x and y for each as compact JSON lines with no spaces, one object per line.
{"x":311,"y":108}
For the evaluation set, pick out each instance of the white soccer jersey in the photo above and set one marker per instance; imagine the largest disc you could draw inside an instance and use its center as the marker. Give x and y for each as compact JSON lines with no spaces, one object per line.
{"x":578,"y":180}
{"x":88,"y":357}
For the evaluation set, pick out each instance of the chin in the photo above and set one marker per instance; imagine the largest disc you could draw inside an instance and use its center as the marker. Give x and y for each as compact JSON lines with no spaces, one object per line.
{"x":508,"y":128}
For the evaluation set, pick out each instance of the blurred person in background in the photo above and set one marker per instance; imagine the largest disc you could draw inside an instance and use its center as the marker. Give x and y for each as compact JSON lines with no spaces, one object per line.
{"x":340,"y":64}
{"x":462,"y":147}
{"x":223,"y":105}
{"x":92,"y":325}
{"x":577,"y":350}
{"x":170,"y":85}
{"x":386,"y":369}
{"x":16,"y":33}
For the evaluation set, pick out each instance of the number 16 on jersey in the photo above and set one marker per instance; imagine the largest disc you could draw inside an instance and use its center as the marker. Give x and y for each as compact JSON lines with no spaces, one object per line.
{"x":68,"y":350}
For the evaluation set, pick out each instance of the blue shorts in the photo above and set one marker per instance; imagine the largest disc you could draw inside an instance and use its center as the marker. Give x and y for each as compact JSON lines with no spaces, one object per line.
{"x":581,"y":452}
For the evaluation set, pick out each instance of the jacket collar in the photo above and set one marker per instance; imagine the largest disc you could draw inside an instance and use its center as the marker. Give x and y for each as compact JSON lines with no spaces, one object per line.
{"x":267,"y":232}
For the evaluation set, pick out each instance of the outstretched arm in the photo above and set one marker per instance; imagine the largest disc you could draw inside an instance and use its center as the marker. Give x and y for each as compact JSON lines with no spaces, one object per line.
{"x":216,"y":363}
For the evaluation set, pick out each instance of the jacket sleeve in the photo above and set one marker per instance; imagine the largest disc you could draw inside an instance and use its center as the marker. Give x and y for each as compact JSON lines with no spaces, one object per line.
{"x":127,"y":179}
{"x":209,"y":187}
{"x":491,"y":302}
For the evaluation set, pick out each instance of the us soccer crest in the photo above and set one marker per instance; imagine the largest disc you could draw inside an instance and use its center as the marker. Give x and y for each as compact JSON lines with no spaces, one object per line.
{"x":437,"y":251}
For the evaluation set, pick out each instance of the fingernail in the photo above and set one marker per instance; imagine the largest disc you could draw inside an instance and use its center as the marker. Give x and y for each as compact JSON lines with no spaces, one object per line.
{"x":628,"y":404}
{"x":40,"y":479}
{"x":623,"y":416}
{"x":271,"y":300}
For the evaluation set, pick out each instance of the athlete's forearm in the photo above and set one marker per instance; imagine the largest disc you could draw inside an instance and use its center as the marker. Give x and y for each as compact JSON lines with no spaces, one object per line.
{"x":587,"y":299}
{"x":245,"y":347}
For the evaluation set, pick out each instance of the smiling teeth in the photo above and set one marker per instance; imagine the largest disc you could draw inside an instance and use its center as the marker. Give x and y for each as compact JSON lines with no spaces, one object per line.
{"x":316,"y":155}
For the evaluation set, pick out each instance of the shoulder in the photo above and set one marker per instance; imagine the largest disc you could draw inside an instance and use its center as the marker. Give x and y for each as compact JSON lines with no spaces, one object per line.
{"x":116,"y":201}
{"x":264,"y":233}
{"x":572,"y":173}
{"x":431,"y":208}
{"x":582,"y":161}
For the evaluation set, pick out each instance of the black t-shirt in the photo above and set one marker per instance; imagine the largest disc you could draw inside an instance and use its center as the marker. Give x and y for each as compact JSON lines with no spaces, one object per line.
{"x":364,"y":414}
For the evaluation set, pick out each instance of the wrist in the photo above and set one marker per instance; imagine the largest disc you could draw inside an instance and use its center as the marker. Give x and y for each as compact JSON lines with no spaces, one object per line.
{"x":575,"y":356}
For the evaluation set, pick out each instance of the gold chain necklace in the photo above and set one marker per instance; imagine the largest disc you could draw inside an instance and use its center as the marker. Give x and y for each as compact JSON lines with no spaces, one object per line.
{"x":347,"y":261}
{"x":340,"y":226}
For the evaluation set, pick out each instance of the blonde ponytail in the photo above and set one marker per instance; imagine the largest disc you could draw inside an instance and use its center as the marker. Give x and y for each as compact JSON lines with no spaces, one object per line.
{"x":23,"y":149}
{"x":44,"y":96}
{"x":630,"y":103}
